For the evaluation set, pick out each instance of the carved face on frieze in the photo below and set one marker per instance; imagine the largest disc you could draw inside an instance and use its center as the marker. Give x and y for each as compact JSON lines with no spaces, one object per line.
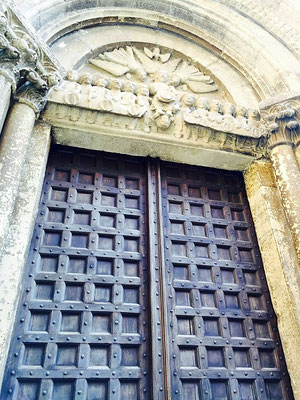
{"x":164,"y":121}
{"x":141,"y":75}
{"x":86,"y":79}
{"x":116,"y":84}
{"x":72,"y":76}
{"x":102,"y":82}
{"x":188,"y":100}
{"x":142,"y":90}
{"x":129,"y":87}
{"x":202,"y":103}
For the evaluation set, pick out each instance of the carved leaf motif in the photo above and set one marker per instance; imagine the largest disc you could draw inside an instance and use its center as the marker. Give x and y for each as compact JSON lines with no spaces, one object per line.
{"x":111,"y":67}
{"x":150,"y":66}
{"x":147,"y":65}
{"x":148,"y":52}
{"x":165,"y":57}
{"x":195,"y":79}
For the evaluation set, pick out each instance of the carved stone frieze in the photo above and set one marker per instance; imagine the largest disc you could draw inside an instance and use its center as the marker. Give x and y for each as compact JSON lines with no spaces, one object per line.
{"x":163,"y":111}
{"x":158,"y":67}
{"x":166,"y":75}
{"x":22,"y":60}
{"x":282,"y":122}
{"x":78,"y":118}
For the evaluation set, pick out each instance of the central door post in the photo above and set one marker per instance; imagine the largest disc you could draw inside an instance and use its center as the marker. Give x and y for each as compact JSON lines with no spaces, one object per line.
{"x":161,"y":376}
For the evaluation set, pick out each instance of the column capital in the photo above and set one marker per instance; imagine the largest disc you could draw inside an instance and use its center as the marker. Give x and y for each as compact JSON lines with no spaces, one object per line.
{"x":32,"y":96}
{"x":282,"y":122}
{"x":24,"y":59}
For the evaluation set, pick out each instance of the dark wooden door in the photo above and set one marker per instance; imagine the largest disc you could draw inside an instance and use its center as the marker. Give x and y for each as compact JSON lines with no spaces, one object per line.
{"x":222,"y":333}
{"x":144,"y":281}
{"x":83,"y":329}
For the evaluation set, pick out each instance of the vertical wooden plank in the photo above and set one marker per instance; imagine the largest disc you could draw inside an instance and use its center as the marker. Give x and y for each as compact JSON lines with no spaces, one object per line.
{"x":160,"y":385}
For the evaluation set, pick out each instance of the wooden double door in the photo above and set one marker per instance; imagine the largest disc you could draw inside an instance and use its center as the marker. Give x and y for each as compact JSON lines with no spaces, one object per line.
{"x":144,"y":281}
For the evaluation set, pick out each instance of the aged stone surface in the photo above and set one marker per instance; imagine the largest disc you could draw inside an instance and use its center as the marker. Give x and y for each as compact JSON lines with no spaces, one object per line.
{"x":297,"y":151}
{"x":282,"y":122}
{"x":159,"y":105}
{"x":158,"y":67}
{"x":23,"y":62}
{"x":288,"y":178}
{"x":127,"y":128}
{"x":280,"y":20}
{"x":283,"y":125}
{"x":280,"y":259}
{"x":18,"y":234}
{"x":5,"y":91}
{"x":14,"y":144}
{"x":268,"y":64}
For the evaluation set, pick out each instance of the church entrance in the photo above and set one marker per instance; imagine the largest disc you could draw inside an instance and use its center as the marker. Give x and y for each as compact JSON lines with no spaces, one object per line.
{"x":144,"y":281}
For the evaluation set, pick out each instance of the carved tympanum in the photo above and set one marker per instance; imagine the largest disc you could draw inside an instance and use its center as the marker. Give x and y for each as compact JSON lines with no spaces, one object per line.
{"x":153,"y":67}
{"x":158,"y":87}
{"x":157,"y":73}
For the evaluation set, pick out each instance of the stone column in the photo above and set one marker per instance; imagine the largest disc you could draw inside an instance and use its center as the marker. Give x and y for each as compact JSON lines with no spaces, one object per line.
{"x":19,"y":232}
{"x":279,"y":259}
{"x":5,"y":90}
{"x":13,"y":148}
{"x":297,"y":149}
{"x":286,"y":169}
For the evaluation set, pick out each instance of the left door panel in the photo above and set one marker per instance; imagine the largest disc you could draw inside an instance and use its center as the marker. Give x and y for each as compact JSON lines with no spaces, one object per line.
{"x":82,"y":328}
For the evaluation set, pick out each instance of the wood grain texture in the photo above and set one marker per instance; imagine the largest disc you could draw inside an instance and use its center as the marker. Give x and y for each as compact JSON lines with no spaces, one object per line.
{"x":144,"y":281}
{"x":222,"y":334}
{"x":83,"y":328}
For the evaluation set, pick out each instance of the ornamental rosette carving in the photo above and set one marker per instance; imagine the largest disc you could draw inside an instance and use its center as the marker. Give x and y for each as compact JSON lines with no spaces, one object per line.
{"x":282,"y":122}
{"x":22,"y":60}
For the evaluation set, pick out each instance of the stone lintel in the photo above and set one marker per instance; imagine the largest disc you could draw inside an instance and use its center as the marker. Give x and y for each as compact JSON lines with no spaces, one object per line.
{"x":223,"y":149}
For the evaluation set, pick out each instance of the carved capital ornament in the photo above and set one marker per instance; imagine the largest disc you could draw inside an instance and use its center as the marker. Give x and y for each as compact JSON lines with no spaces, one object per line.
{"x":23,"y":61}
{"x":282,"y":122}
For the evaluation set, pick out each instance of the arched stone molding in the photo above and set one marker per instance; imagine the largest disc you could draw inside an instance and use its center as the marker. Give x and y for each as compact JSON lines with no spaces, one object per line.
{"x":80,"y":48}
{"x":270,"y":15}
{"x":260,"y":55}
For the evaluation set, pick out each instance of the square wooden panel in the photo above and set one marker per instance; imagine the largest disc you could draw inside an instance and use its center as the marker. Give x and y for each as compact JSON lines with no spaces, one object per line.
{"x":83,"y":324}
{"x":213,"y":288}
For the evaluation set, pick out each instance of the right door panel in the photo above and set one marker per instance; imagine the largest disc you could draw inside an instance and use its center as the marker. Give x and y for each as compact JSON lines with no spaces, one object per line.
{"x":222,"y":333}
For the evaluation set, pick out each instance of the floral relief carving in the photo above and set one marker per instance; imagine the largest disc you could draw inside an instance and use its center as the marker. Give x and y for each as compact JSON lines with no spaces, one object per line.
{"x":282,"y":122}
